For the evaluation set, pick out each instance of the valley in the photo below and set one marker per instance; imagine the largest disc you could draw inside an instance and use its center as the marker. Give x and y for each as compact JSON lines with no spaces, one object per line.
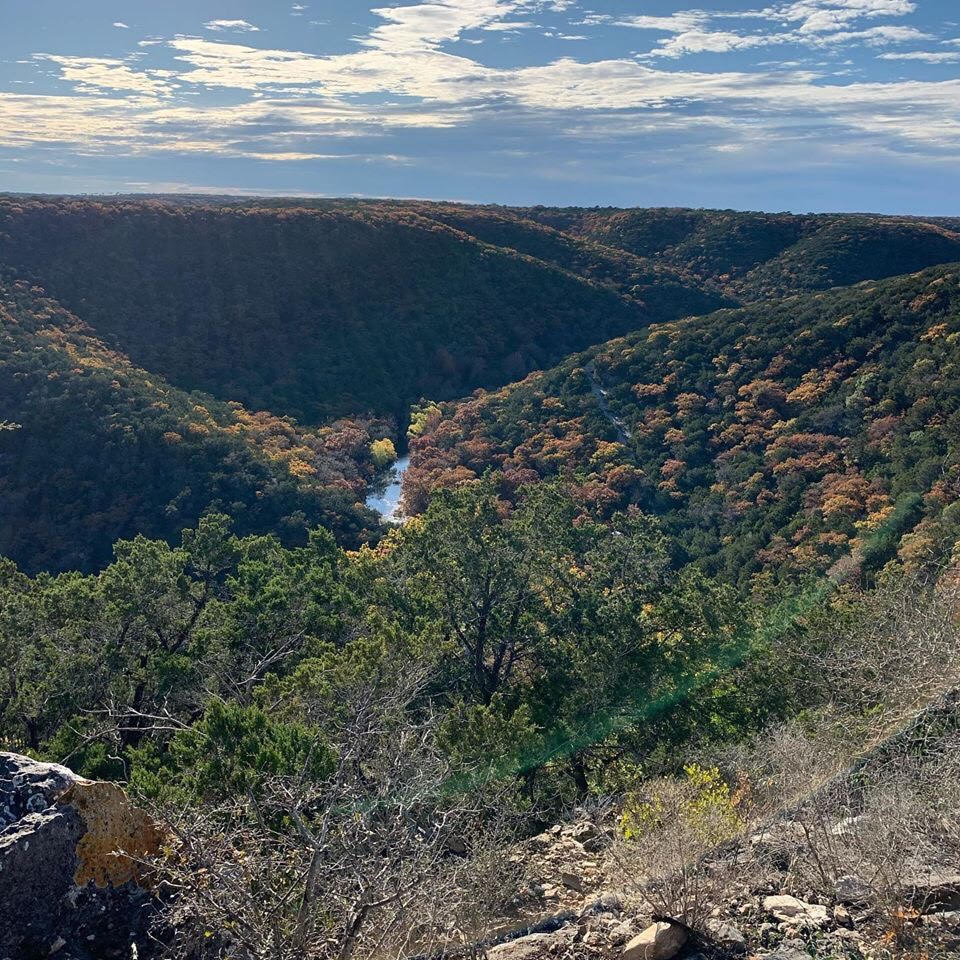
{"x":439,"y":580}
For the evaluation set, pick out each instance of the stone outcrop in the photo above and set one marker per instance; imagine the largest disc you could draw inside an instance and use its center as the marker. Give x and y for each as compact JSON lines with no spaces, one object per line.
{"x":71,"y":880}
{"x":790,"y":909}
{"x":660,"y":941}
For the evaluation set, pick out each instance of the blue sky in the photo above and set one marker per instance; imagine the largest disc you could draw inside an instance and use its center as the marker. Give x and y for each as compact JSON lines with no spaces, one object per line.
{"x":779,"y":104}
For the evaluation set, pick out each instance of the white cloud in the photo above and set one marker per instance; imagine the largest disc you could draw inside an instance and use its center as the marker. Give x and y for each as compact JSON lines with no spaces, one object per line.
{"x":507,"y":25}
{"x":875,"y":36}
{"x":803,"y":22}
{"x":715,"y":41}
{"x":297,"y":101}
{"x":93,"y":73}
{"x":424,"y":26}
{"x":675,"y":23}
{"x":120,"y":25}
{"x":821,"y":16}
{"x":238,"y":26}
{"x":924,"y":55}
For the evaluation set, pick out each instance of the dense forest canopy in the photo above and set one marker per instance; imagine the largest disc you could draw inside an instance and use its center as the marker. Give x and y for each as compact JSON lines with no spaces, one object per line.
{"x":775,"y":437}
{"x":165,"y":357}
{"x":754,"y":256}
{"x":94,"y":448}
{"x":321,"y":313}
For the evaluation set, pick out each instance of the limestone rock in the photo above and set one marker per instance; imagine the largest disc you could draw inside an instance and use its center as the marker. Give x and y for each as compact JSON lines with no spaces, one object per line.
{"x":933,"y":889}
{"x":660,"y":941}
{"x":29,"y":787}
{"x":791,"y":910}
{"x":37,"y":862}
{"x":851,"y":889}
{"x":113,"y":826}
{"x":788,"y":953}
{"x":622,"y":932}
{"x":727,"y":936}
{"x":584,"y":831}
{"x":535,"y":946}
{"x":63,"y":872}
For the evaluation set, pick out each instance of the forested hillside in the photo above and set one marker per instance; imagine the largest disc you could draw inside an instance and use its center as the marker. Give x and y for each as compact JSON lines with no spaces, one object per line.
{"x":313,"y":328}
{"x":778,"y":437}
{"x":328,"y":308}
{"x":323,"y":312}
{"x":93,"y":448}
{"x":753,"y":256}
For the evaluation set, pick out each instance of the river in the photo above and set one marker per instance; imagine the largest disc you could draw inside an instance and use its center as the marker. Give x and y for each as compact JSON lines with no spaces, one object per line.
{"x":385,"y":494}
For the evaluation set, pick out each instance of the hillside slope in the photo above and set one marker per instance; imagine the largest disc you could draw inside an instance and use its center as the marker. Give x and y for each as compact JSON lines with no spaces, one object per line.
{"x":320,"y":312}
{"x":780,"y":437}
{"x":753,"y":256}
{"x":93,"y":448}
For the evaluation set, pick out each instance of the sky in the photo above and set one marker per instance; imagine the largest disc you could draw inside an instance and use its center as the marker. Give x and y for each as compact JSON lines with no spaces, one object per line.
{"x":803,"y":105}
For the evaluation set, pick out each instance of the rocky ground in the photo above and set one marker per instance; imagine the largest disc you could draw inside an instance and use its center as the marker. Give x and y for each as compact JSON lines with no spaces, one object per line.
{"x":64,"y":893}
{"x":576,"y":907}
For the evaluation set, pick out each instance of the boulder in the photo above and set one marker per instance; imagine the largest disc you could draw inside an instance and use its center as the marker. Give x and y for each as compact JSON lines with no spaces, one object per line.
{"x":69,"y":870}
{"x":851,"y":889}
{"x":590,"y":837}
{"x":727,"y":936}
{"x":535,"y":946}
{"x":660,"y":941}
{"x":791,"y":910}
{"x":933,"y":890}
{"x":584,"y":831}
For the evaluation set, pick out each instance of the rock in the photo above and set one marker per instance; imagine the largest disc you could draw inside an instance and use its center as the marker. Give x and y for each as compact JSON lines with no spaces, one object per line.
{"x":535,"y":946}
{"x":571,"y":880}
{"x":727,"y":936}
{"x":791,"y":910}
{"x":622,"y":932}
{"x":541,"y":842}
{"x":63,"y":872}
{"x":950,"y":920}
{"x":583,"y":831}
{"x":607,"y":902}
{"x":841,"y":916}
{"x":767,"y":930}
{"x":788,"y":953}
{"x":29,"y":787}
{"x":850,"y":889}
{"x":457,"y":846}
{"x":933,"y":890}
{"x":660,"y":941}
{"x":590,"y":837}
{"x":38,"y":858}
{"x":847,"y":827}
